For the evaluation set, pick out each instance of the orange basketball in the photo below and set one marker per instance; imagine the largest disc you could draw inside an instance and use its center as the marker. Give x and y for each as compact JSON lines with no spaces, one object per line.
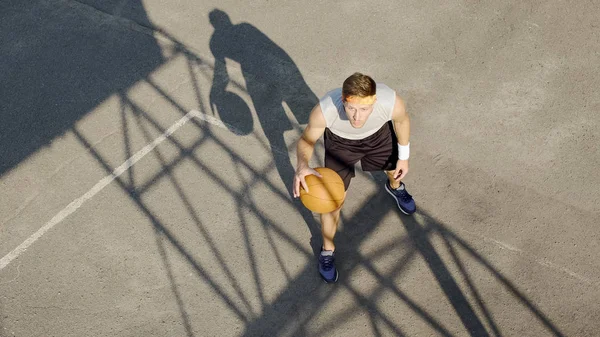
{"x":324,"y":194}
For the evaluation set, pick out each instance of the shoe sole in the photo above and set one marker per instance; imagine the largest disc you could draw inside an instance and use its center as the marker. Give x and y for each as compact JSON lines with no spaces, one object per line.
{"x":397,"y":203}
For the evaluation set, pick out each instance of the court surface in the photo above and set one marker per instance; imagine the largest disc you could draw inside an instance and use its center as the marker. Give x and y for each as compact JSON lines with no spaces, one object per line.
{"x":147,"y":154}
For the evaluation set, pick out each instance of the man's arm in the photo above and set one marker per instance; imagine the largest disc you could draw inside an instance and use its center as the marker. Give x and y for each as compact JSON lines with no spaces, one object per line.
{"x":306,"y":146}
{"x":401,"y":123}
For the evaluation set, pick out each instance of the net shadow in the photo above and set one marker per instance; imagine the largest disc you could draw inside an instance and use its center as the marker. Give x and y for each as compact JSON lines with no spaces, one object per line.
{"x":272,"y":79}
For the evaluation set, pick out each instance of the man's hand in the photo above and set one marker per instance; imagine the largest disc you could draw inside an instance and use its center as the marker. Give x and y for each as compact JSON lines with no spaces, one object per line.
{"x":401,"y":170}
{"x":299,"y":179}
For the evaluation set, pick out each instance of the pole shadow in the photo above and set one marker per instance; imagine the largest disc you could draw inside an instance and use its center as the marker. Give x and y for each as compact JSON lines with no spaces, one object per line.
{"x":473,"y":312}
{"x":292,"y":312}
{"x":56,"y":68}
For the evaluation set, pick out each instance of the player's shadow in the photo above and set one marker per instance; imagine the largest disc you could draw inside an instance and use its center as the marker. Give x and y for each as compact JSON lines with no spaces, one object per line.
{"x":272,"y":80}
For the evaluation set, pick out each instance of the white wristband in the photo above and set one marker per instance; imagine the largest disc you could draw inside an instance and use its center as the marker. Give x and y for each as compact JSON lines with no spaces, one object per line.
{"x":403,"y":151}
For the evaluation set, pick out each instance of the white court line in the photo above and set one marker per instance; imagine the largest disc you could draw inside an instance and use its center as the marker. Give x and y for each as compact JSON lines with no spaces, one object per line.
{"x":75,"y":204}
{"x":505,"y":246}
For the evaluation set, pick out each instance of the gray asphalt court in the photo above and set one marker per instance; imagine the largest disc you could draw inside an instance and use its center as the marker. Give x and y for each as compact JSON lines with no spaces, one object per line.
{"x":147,"y":151}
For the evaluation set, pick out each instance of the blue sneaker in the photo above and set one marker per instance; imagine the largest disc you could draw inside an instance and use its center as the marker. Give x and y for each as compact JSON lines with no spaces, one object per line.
{"x":403,"y":199}
{"x":327,"y":266}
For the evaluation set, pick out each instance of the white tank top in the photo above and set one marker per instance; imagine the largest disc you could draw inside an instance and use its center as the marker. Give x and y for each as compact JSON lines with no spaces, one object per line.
{"x":337,"y":120}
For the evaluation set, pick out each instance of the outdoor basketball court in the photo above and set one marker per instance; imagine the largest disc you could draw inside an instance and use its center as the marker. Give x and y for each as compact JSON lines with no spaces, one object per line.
{"x":147,"y":154}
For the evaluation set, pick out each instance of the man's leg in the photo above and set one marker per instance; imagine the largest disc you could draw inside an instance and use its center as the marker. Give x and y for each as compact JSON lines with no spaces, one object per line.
{"x":393,"y":183}
{"x":382,"y":155}
{"x":329,"y":224}
{"x":340,"y":155}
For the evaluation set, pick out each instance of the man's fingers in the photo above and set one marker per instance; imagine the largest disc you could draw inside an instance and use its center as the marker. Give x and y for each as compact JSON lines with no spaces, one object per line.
{"x":304,"y":185}
{"x":299,"y":180}
{"x":296,"y":187}
{"x":403,"y":174}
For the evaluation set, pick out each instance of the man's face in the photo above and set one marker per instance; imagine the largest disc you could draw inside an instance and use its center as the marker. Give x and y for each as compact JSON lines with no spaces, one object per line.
{"x":357,"y":113}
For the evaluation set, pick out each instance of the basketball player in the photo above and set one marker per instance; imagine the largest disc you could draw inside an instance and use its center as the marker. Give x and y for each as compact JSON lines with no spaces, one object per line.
{"x":362,"y":121}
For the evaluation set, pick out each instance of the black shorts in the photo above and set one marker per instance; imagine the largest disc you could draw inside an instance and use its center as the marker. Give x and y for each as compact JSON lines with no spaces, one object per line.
{"x":377,"y":152}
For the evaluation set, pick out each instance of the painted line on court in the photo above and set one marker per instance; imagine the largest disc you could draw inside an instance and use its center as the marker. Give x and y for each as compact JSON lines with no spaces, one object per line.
{"x":504,"y":246}
{"x":75,"y":204}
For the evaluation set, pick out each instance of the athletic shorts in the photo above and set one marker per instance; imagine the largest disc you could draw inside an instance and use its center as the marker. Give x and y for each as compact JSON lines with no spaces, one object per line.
{"x":377,"y":152}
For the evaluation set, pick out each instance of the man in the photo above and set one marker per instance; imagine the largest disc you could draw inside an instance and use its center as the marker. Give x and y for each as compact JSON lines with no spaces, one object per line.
{"x":364,"y":121}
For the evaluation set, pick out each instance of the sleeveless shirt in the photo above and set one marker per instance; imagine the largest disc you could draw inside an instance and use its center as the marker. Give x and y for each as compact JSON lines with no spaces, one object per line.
{"x":332,"y":107}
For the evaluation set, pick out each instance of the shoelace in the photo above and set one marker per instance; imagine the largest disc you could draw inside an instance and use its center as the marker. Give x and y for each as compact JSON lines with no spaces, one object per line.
{"x":327,"y":262}
{"x":402,"y":194}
